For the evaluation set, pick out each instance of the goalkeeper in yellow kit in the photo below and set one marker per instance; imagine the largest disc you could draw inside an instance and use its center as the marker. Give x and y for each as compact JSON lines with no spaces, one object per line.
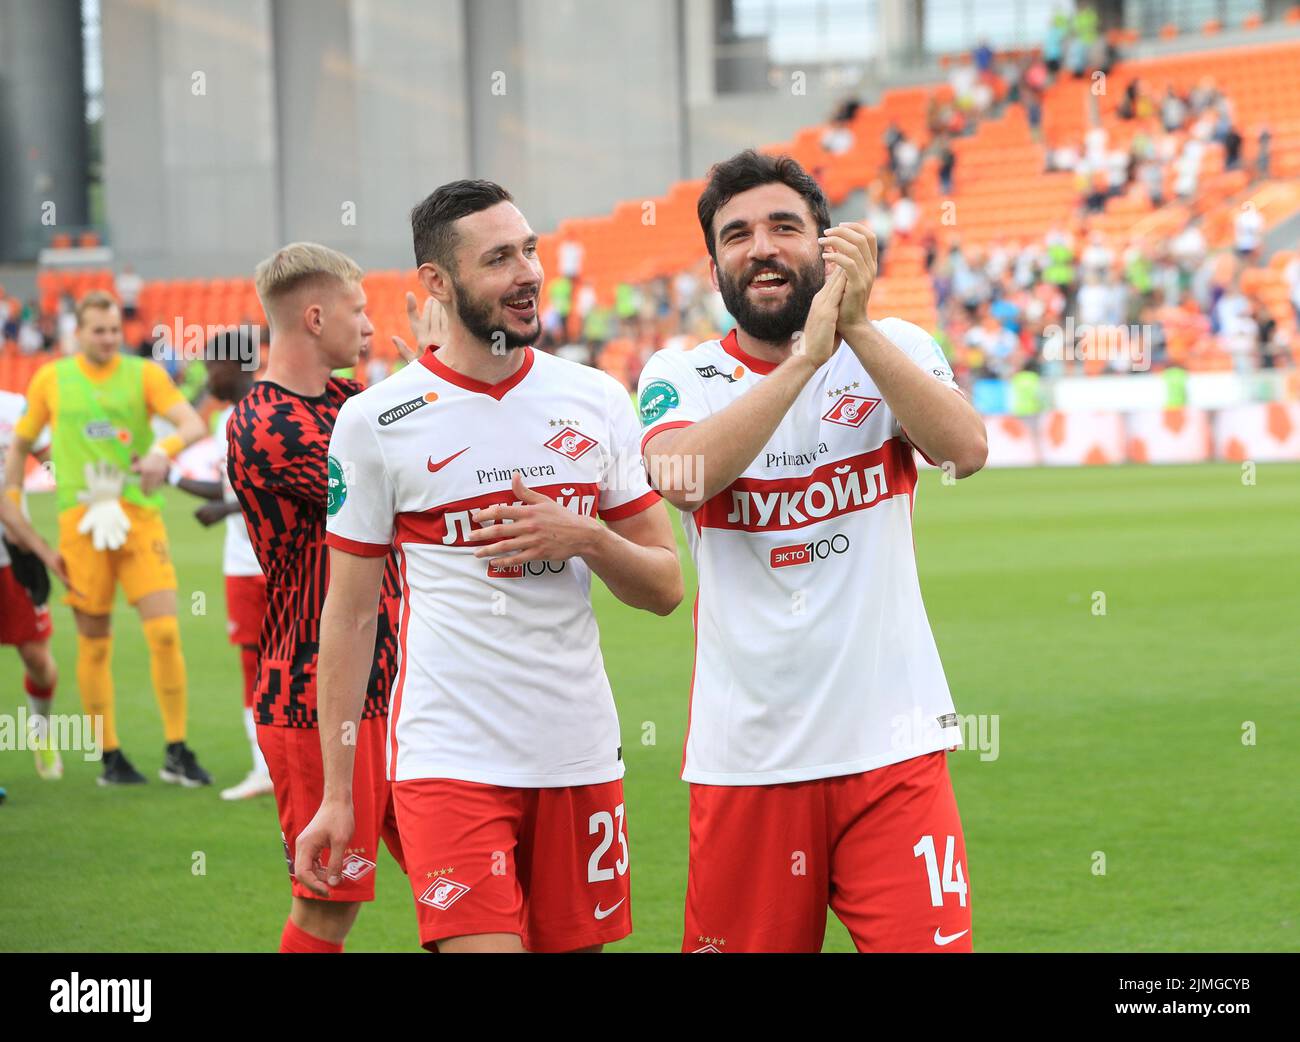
{"x":97,"y":404}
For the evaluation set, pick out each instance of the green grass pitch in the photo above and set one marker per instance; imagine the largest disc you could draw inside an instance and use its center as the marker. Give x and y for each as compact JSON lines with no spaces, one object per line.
{"x":1118,"y":735}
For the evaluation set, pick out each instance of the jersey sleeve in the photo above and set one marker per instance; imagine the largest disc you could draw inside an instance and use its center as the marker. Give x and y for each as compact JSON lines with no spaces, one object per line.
{"x":270,"y":451}
{"x":926,"y":353}
{"x":362,"y":500}
{"x":160,"y":394}
{"x":37,"y":410}
{"x":669,"y":395}
{"x":624,"y":490}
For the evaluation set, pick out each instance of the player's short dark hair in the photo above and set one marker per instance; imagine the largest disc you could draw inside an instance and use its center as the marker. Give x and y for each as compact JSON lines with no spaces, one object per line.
{"x":433,"y":218}
{"x":750,"y":169}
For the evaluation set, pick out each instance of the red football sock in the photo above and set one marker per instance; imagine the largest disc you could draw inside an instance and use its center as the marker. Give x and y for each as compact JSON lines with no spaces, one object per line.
{"x":296,"y":940}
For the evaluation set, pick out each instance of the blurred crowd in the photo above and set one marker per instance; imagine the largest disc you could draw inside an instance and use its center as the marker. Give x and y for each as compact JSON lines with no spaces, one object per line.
{"x":1003,"y":308}
{"x":997,"y":304}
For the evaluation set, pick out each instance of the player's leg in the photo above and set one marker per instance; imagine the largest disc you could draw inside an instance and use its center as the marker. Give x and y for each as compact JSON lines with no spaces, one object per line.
{"x":258,"y":780}
{"x":39,"y":677}
{"x":459,"y":840}
{"x":25,"y":624}
{"x":574,"y":864}
{"x":93,"y":576}
{"x":95,"y":682}
{"x":317,"y":927}
{"x":245,"y":608}
{"x":899,"y":880}
{"x":482,"y":943}
{"x":144,"y":568}
{"x":294,"y":756}
{"x":759,"y":868}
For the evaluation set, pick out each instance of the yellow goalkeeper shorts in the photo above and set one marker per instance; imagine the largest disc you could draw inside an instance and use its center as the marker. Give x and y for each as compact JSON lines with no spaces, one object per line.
{"x":143,"y":564}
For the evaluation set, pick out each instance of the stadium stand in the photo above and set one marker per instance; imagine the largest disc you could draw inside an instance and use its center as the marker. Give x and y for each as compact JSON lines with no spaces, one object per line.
{"x":1007,"y":177}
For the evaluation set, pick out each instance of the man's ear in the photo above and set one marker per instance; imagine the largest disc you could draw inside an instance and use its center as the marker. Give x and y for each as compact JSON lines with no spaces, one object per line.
{"x":713,"y":272}
{"x":313,"y":318}
{"x":436,"y":282}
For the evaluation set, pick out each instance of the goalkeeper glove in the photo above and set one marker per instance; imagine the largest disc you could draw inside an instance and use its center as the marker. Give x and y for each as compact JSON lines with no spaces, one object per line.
{"x":104,"y":519}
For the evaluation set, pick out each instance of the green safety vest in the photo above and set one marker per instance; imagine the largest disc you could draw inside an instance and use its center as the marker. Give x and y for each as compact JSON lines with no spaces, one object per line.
{"x":1060,"y":265}
{"x":1175,"y":387}
{"x":562,"y":295}
{"x":100,"y":421}
{"x":625,"y":301}
{"x":1026,"y":399}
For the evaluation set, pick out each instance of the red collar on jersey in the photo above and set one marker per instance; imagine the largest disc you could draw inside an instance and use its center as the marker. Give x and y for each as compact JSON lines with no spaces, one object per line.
{"x":731,"y":345}
{"x":498,"y":391}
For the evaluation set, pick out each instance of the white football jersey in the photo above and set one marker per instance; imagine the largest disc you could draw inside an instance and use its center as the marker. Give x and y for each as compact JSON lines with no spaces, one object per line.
{"x":238,"y":556}
{"x":814,"y":656}
{"x":500,"y":679}
{"x":12,"y":406}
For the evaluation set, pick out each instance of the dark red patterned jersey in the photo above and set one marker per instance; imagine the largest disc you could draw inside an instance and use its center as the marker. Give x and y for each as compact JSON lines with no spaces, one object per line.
{"x":278,"y":467}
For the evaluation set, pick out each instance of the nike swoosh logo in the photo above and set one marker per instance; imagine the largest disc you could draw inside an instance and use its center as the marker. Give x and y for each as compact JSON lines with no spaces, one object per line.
{"x":941,"y":940}
{"x":435,"y":467}
{"x":602,"y":913}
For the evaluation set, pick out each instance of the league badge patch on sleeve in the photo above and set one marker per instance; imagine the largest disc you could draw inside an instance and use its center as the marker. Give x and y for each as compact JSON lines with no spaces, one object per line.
{"x":658,"y":397}
{"x":338,"y":488}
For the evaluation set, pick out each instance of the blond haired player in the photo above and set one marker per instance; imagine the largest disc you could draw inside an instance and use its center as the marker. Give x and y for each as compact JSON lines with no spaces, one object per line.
{"x":279,"y":469}
{"x":98,"y":404}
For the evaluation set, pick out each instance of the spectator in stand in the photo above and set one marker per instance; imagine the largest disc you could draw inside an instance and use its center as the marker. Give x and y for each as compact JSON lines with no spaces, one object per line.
{"x":1187,"y":168}
{"x":1248,"y":231}
{"x":129,"y":286}
{"x":1238,"y":333}
{"x":1291,"y":275}
{"x":892,"y":136}
{"x":1054,"y":42}
{"x":29,"y":336}
{"x":1231,"y":148}
{"x":1097,"y":257}
{"x":947,"y":161}
{"x":1173,"y":111}
{"x":1095,"y":305}
{"x":1152,"y":176}
{"x":1269,"y":348}
{"x":879,"y":220}
{"x":1128,"y":103}
{"x":907,"y":160}
{"x":839,"y":138}
{"x":904,"y":214}
{"x":1263,"y":153}
{"x":66,"y":323}
{"x":570,"y":259}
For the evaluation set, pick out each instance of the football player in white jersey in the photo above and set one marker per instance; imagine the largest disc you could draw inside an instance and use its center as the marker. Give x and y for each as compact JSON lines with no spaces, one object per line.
{"x":490,"y":467}
{"x":25,"y":621}
{"x":231,"y":362}
{"x":819,"y":714}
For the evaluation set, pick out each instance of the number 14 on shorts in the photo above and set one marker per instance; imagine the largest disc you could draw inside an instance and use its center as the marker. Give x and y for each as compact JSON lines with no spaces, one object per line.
{"x":952,"y":880}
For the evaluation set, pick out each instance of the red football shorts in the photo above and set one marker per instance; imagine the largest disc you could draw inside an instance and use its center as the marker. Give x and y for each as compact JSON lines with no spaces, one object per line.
{"x":245,"y":608}
{"x":21,"y":622}
{"x":883,"y":849}
{"x":294,"y":757}
{"x":550,"y":865}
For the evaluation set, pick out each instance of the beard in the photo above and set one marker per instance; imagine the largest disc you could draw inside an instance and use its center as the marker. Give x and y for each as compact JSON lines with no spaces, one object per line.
{"x":765,"y":322}
{"x":478,"y":317}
